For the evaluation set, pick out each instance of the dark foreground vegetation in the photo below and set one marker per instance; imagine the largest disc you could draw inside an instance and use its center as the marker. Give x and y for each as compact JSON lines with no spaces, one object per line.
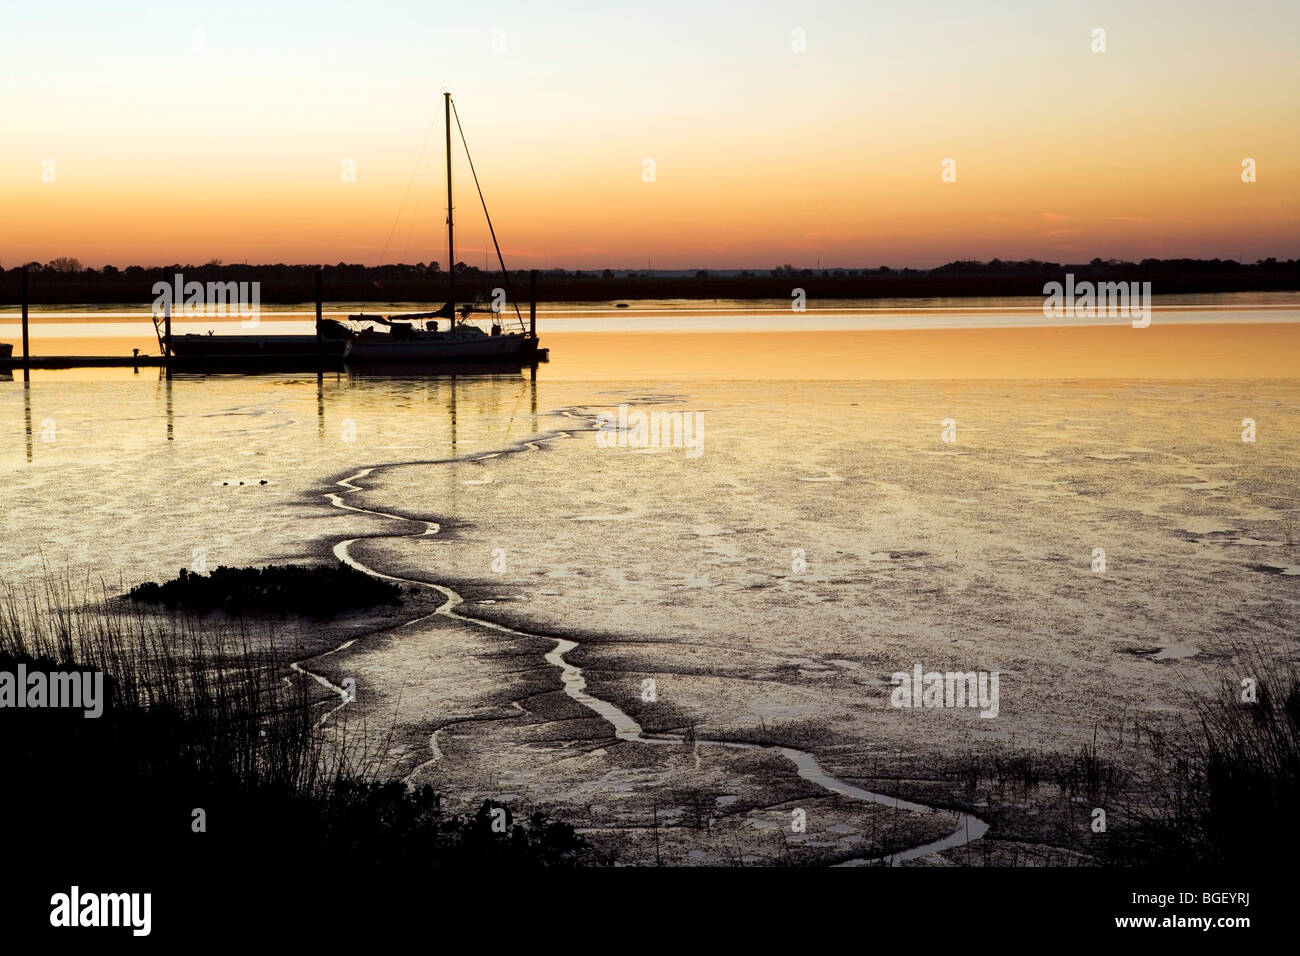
{"x":65,"y":281}
{"x":1229,"y":795}
{"x":212,"y":760}
{"x":1221,"y":791}
{"x":211,"y":764}
{"x":319,"y":591}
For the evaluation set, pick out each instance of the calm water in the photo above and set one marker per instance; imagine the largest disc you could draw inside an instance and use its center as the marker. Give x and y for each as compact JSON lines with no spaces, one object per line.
{"x":971,"y":554}
{"x":53,"y":323}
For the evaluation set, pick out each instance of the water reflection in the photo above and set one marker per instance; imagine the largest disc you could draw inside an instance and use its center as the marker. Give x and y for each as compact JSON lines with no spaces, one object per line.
{"x":27,"y":412}
{"x":237,"y":464}
{"x":320,"y":404}
{"x":393,"y":413}
{"x":390,"y":392}
{"x":166,"y":376}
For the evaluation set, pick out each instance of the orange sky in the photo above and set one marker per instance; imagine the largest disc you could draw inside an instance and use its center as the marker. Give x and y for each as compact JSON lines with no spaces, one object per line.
{"x":186,"y":138}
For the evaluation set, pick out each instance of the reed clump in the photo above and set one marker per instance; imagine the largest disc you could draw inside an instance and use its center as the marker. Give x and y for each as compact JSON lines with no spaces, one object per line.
{"x":211,"y":753}
{"x":1229,"y":792}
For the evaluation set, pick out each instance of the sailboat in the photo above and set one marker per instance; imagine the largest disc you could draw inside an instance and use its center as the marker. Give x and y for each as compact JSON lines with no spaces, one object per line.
{"x":446,"y":334}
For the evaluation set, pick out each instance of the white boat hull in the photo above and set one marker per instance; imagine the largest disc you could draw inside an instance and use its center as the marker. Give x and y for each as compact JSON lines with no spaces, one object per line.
{"x":383,"y":347}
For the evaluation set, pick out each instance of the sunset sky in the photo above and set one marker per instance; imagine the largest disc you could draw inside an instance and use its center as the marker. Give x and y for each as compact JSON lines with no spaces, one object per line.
{"x":186,"y":132}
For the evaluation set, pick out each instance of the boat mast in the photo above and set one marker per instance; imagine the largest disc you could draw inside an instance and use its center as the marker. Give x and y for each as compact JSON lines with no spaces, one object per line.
{"x":451,"y":246}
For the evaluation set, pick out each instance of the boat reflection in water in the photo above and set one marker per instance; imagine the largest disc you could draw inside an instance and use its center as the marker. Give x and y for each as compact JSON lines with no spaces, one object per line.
{"x":504,"y":389}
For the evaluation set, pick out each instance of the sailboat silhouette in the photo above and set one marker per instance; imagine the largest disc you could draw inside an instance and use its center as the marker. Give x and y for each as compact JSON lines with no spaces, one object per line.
{"x":421,"y":337}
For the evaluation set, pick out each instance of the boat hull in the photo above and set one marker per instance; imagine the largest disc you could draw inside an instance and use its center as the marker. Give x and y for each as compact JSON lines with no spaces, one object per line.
{"x":252,"y":346}
{"x":238,"y":351}
{"x":512,"y":348}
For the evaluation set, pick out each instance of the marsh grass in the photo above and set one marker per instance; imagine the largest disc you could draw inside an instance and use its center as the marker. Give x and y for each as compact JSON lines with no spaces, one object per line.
{"x":1228,"y":793}
{"x":1221,"y":789}
{"x":1086,"y":773}
{"x":1091,"y":775}
{"x":207,"y":716}
{"x":218,"y":696}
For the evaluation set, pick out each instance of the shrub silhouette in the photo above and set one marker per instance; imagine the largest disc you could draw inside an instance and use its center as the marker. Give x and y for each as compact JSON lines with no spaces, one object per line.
{"x":315,"y":591}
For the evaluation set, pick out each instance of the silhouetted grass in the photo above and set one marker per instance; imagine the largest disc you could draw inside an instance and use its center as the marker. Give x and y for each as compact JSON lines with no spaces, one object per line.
{"x":196,"y":719}
{"x":1229,"y":796}
{"x":1091,"y":775}
{"x":1085,"y":773}
{"x":316,"y":591}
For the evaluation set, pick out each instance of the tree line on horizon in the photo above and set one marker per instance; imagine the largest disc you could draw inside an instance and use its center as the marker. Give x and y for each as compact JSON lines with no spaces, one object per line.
{"x":64,"y":280}
{"x":65,"y":265}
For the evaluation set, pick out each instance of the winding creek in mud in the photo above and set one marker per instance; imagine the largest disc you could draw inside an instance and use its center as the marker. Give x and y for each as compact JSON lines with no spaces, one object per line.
{"x":969,"y":827}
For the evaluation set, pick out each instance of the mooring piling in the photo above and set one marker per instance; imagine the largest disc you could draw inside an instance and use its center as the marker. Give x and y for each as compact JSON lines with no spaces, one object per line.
{"x":26,"y":343}
{"x":532,"y":302}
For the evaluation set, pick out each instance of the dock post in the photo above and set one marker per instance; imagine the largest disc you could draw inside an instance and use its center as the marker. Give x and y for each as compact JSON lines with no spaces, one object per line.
{"x":532,"y":303}
{"x":167,"y":331}
{"x":318,"y":304}
{"x":26,"y":345}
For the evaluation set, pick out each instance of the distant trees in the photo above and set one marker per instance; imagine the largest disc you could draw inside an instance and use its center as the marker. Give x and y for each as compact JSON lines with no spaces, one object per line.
{"x":67,"y":265}
{"x":64,"y":280}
